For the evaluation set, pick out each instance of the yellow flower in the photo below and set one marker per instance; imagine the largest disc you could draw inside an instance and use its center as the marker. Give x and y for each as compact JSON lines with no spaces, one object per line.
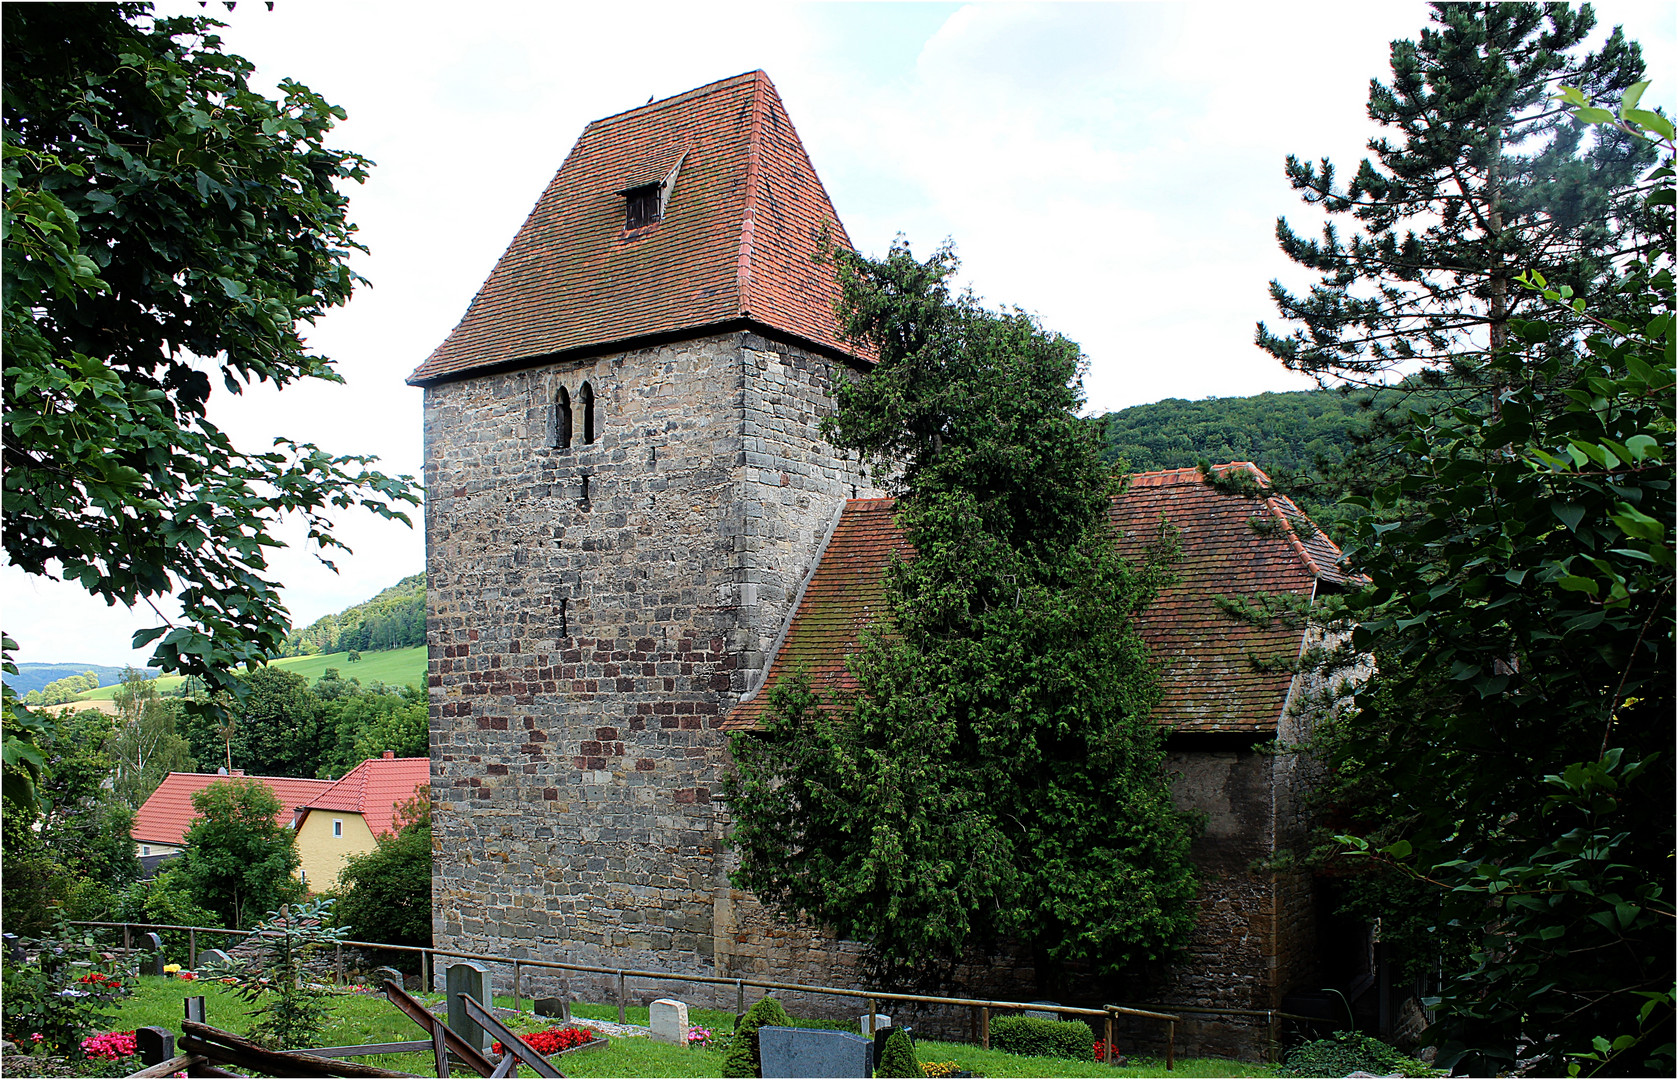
{"x":170,"y":969}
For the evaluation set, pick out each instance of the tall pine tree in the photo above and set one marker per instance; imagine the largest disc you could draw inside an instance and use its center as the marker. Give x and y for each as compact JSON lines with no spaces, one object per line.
{"x":1482,"y":177}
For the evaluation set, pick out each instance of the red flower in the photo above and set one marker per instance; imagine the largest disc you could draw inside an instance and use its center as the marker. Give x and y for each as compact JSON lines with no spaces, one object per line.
{"x":553,"y":1040}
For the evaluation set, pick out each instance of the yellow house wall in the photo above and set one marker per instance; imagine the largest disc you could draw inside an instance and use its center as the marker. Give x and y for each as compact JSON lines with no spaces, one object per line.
{"x":155,"y":849}
{"x":323,"y":854}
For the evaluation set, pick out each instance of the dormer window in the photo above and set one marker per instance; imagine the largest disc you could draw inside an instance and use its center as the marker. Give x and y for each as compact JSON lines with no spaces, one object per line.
{"x":643,"y":206}
{"x":645,"y":203}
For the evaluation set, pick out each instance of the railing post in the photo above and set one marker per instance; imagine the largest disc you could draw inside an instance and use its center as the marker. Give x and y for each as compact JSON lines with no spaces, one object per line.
{"x":1171,"y":1045}
{"x":338,"y":955}
{"x":739,"y":1001}
{"x":1108,"y":1037}
{"x":425,"y":969}
{"x":622,"y":999}
{"x":192,"y":950}
{"x":515,"y":987}
{"x":984,"y":1026}
{"x":127,"y":943}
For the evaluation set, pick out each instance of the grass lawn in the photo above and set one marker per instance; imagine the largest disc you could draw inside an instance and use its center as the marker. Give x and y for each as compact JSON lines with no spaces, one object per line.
{"x":369,"y":1018}
{"x":394,"y":667}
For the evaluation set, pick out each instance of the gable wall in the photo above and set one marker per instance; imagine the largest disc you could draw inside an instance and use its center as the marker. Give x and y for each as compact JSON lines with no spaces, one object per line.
{"x":575,"y":754}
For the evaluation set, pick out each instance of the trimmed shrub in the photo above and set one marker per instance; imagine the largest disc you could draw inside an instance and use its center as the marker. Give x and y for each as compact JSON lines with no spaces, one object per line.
{"x":1347,"y":1052}
{"x":1070,"y":1039}
{"x":899,"y":1057}
{"x":744,"y":1058}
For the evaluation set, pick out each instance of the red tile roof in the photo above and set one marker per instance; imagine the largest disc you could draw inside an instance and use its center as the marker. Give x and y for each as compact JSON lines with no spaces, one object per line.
{"x":374,"y":789}
{"x":735,"y":243}
{"x":1209,"y":679}
{"x":168,"y":812}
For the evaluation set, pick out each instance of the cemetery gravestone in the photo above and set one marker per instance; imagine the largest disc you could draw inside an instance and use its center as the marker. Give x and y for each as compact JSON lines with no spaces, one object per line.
{"x":800,"y":1052}
{"x":14,"y":950}
{"x":381,"y":974}
{"x":214,"y":958}
{"x":872,"y":1023}
{"x":153,"y":963}
{"x":557,"y":1008}
{"x":471,"y":978}
{"x":669,"y":1020}
{"x":193,"y":1007}
{"x":1041,"y":1014}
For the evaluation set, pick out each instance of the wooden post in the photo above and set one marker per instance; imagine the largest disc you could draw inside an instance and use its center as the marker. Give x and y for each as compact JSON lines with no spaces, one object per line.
{"x":515,"y":987}
{"x":622,"y":999}
{"x":438,"y":1050}
{"x":871,"y":1013}
{"x":1171,"y":1045}
{"x":1108,"y":1036}
{"x":425,"y":971}
{"x":338,"y":953}
{"x":192,"y":950}
{"x":984,"y":1027}
{"x":126,"y":943}
{"x":739,"y":1000}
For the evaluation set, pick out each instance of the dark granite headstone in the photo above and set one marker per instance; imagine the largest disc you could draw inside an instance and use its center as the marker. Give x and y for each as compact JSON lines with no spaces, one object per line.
{"x":1041,"y":1014}
{"x":153,"y":963}
{"x":557,"y":1008}
{"x":213,"y":958}
{"x":799,"y":1052}
{"x":14,"y":950}
{"x":881,"y":1034}
{"x":154,"y":1044}
{"x":193,"y":1007}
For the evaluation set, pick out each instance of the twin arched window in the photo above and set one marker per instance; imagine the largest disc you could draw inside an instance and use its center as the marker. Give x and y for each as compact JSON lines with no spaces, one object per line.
{"x":561,"y":420}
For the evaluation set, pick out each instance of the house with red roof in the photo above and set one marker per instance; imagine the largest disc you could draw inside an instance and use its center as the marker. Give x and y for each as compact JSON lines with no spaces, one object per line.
{"x":161,"y":823}
{"x":347,"y":818}
{"x":633,"y":525}
{"x":334,"y":819}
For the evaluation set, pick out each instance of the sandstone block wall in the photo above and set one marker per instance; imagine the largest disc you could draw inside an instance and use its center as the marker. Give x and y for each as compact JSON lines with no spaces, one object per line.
{"x":594,"y":610}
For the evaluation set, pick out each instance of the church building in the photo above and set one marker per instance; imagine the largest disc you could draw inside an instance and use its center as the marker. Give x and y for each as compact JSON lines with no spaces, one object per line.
{"x":631,"y":516}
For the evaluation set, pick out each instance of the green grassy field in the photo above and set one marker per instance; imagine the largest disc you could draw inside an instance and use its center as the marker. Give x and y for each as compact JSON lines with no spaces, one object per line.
{"x":395,"y":667}
{"x":368,"y":1018}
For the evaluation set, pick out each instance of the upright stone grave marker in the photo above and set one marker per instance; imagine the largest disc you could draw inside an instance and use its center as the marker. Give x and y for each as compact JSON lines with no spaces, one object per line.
{"x":153,"y":963}
{"x":555,"y":1007}
{"x":468,"y":977}
{"x":873,"y":1022}
{"x":380,"y":974}
{"x":669,"y":1020}
{"x":800,"y":1052}
{"x":215,"y":957}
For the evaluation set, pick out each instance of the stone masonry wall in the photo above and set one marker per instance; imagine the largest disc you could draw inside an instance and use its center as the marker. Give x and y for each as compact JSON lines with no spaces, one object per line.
{"x":594,"y":611}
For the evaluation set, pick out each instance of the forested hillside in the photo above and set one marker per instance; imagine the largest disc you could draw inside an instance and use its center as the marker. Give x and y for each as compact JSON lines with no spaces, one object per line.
{"x":1281,"y":433}
{"x":394,"y":619}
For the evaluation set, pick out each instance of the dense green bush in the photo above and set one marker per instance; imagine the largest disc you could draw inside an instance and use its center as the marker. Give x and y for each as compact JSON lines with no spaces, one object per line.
{"x":1346,"y":1052}
{"x":899,"y":1058}
{"x":1070,"y":1039}
{"x":743,"y":1057}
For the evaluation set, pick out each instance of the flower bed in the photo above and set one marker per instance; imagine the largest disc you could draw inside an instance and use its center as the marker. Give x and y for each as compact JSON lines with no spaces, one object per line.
{"x":111,"y":1046}
{"x":553,"y":1040}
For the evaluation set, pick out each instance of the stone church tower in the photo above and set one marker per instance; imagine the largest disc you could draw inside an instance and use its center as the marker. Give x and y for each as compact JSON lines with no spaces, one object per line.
{"x":632,"y":518}
{"x":626,"y":486}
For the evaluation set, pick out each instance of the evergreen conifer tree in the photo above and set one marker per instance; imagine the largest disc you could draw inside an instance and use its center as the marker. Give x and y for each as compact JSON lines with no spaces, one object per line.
{"x":998,"y":776}
{"x":1483,"y":177}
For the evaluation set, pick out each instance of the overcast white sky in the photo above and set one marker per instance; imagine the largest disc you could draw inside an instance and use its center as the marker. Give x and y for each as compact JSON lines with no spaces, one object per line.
{"x":1115,"y":168}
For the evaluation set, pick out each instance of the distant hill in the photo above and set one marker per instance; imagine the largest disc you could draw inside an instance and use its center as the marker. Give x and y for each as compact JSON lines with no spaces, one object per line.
{"x":1280,"y":433}
{"x":37,"y":676}
{"x":393,"y":667}
{"x":394,"y":619}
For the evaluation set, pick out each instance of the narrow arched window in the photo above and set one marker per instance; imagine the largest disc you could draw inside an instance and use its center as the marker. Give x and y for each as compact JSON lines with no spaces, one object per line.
{"x":585,"y":398}
{"x":559,"y":421}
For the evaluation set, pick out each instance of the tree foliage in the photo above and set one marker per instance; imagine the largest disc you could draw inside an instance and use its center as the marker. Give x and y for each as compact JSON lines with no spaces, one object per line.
{"x":146,"y":745}
{"x":997,"y":778}
{"x":239,"y":861}
{"x":394,"y":619}
{"x":165,"y":224}
{"x":1514,"y":750}
{"x":386,"y":893}
{"x":1482,"y":177}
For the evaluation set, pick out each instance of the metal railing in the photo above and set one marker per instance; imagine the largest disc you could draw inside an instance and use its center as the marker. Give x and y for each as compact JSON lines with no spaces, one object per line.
{"x":982,"y":1006}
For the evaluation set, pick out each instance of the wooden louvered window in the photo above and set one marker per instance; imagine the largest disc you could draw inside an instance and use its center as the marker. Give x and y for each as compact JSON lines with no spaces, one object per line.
{"x":643,"y":206}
